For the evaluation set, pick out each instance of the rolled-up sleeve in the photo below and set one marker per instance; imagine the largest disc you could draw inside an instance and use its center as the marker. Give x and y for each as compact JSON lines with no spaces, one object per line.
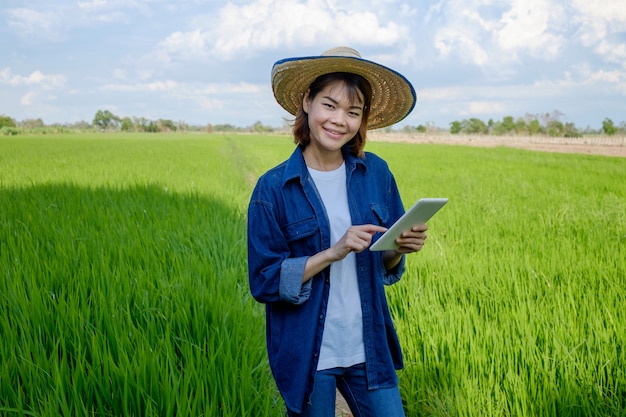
{"x":273,"y":274}
{"x":394,"y":274}
{"x":291,"y":288}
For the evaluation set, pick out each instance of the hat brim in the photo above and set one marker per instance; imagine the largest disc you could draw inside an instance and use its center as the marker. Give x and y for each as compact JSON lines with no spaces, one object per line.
{"x":393,"y":96}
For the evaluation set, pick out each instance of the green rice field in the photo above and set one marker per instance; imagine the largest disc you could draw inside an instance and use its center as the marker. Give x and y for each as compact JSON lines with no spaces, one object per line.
{"x":123,"y":281}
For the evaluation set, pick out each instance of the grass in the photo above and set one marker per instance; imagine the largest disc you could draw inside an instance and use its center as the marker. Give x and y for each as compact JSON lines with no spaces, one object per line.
{"x":123,"y":287}
{"x":515,"y":306}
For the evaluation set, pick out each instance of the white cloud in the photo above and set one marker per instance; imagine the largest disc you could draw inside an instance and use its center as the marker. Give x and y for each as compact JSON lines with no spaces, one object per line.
{"x":488,"y":33}
{"x":612,"y":52}
{"x":478,"y":108}
{"x":52,"y":22}
{"x":186,"y":46}
{"x":201,"y":97}
{"x":27,"y":99}
{"x":268,"y":24}
{"x":460,"y":31}
{"x":602,"y":26}
{"x":94,"y":4}
{"x":31,"y":22}
{"x":611,"y":80}
{"x":36,"y":78}
{"x":601,"y":10}
{"x":527,"y":26}
{"x":608,"y":76}
{"x":195,"y":91}
{"x":451,"y":40}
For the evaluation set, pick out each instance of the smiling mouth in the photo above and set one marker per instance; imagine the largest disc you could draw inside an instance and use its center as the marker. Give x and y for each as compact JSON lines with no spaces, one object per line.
{"x":334,"y":132}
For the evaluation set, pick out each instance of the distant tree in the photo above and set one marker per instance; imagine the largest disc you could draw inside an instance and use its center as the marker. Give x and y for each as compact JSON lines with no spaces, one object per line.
{"x":570,"y":131}
{"x":508,"y":123}
{"x":534,"y":127}
{"x":127,"y":124}
{"x":151,"y":127}
{"x":33,"y":124}
{"x":105,"y":119}
{"x":82,"y":125}
{"x":549,"y":118}
{"x":259,"y":127}
{"x":476,"y":126}
{"x":6,"y":121}
{"x":166,"y":125}
{"x":456,"y":127}
{"x":141,"y":123}
{"x":227,"y":127}
{"x":422,"y":129}
{"x":182,"y":126}
{"x":608,"y":127}
{"x":555,"y":128}
{"x":496,"y":128}
{"x":520,"y":126}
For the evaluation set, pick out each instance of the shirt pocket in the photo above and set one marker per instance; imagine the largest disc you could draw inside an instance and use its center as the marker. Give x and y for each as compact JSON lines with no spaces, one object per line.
{"x":300,"y":229}
{"x":380,"y":214}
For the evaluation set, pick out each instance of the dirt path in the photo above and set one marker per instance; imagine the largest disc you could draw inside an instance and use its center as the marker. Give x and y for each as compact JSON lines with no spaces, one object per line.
{"x":341,"y":407}
{"x":597,"y":145}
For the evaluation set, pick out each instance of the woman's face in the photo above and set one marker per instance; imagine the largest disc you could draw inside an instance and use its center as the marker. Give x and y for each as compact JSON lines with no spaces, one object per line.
{"x":333,"y":119}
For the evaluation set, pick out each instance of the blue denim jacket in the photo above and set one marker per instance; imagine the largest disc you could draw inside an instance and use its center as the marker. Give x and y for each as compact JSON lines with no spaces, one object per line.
{"x":287,"y":224}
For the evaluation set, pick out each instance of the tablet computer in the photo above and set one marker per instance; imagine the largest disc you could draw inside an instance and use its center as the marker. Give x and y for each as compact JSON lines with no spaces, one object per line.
{"x":421,"y":212}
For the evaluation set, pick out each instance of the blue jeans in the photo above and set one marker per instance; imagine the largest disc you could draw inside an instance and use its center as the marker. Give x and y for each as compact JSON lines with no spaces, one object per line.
{"x":352,"y":383}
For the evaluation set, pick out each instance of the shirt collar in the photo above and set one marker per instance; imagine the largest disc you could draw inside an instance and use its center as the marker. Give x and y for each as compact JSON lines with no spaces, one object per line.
{"x":296,"y":167}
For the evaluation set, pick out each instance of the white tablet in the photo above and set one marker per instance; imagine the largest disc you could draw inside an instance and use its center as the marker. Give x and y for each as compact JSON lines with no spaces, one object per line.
{"x":421,"y":212}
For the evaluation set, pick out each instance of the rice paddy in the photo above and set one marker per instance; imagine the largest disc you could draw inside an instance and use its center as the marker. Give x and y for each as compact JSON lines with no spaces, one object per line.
{"x":123,"y":287}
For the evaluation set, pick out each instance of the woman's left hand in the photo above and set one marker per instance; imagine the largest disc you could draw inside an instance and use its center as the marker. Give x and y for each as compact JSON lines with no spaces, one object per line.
{"x":413,"y":239}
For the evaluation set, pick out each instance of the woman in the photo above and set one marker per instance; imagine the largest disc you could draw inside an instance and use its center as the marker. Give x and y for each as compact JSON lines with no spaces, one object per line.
{"x":311,"y":221}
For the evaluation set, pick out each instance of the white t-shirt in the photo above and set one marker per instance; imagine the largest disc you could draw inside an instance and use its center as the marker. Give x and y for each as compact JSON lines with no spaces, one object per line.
{"x":342,"y":341}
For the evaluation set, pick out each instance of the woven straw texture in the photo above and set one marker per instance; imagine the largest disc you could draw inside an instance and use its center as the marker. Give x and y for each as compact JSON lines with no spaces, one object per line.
{"x":393,"y":96}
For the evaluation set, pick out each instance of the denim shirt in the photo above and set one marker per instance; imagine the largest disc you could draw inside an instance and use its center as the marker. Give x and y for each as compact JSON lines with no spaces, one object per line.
{"x":287,"y":223}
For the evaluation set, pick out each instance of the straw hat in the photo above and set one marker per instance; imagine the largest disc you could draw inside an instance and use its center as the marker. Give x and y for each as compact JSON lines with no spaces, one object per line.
{"x":393,"y":96}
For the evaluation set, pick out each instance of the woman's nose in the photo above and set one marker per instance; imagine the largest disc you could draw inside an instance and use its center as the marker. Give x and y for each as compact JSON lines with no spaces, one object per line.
{"x":338,"y":118}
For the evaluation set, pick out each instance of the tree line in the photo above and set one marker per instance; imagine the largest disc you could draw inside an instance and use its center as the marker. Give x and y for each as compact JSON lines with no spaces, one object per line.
{"x":548,"y":124}
{"x":107,"y":121}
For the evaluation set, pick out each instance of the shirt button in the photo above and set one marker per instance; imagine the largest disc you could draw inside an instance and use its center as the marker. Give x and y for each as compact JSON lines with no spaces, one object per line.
{"x":321,"y":317}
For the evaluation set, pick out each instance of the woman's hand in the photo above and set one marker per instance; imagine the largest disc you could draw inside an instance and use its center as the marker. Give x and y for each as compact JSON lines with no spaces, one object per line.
{"x":413,"y":239}
{"x":356,"y":239}
{"x":410,"y":241}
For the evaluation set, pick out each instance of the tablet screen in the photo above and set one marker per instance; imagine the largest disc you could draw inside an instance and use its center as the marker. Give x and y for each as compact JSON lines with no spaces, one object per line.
{"x":421,"y":212}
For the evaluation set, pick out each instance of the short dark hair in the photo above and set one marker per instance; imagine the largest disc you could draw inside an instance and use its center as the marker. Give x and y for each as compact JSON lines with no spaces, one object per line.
{"x":355,"y":84}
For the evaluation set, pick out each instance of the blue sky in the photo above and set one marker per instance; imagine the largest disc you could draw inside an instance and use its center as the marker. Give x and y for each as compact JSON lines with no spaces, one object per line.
{"x":207,"y":61}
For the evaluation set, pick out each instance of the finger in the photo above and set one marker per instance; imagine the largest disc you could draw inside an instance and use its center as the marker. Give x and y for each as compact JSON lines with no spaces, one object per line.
{"x":371,"y":228}
{"x":410,"y":247}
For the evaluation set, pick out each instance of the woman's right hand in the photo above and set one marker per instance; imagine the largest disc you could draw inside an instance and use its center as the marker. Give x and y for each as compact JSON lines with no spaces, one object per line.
{"x":356,"y":239}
